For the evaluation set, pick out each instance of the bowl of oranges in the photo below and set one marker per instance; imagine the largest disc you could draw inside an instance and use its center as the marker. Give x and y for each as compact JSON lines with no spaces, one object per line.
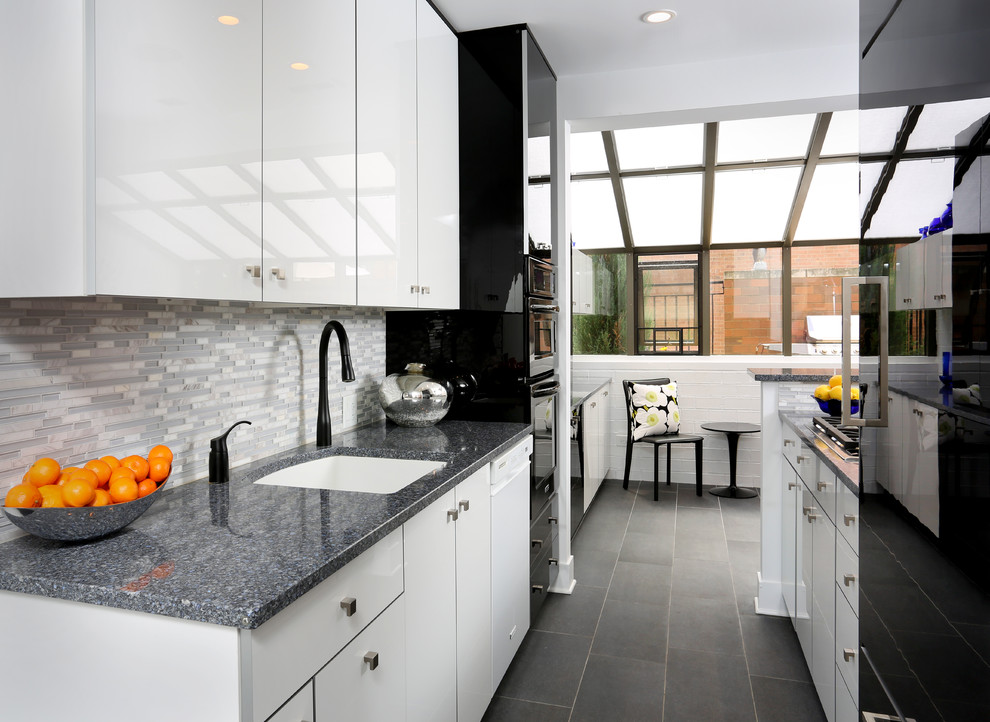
{"x":829,"y":397}
{"x":76,"y":503}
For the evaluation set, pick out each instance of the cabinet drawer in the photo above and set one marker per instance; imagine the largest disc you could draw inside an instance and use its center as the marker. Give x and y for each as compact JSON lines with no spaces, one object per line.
{"x":846,"y":709}
{"x":801,"y":457}
{"x":297,"y":709}
{"x":847,"y":645}
{"x":847,"y":573}
{"x":288,"y":649}
{"x":542,"y":533}
{"x":847,"y":517}
{"x":367,"y":680}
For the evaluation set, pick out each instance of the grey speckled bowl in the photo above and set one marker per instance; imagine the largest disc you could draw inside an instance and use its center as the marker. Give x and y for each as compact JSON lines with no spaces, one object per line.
{"x":88,"y":522}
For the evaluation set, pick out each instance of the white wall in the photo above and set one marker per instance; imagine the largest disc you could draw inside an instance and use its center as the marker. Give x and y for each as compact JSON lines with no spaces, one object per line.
{"x":709,"y":389}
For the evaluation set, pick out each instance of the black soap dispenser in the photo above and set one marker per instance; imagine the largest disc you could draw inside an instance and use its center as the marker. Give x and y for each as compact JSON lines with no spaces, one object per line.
{"x":219,"y":463}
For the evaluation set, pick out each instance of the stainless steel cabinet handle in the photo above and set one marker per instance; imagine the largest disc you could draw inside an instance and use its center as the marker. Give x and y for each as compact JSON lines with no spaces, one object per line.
{"x":848,"y":519}
{"x":808,"y":510}
{"x":848,"y":579}
{"x":811,"y":518}
{"x":349,"y":605}
{"x":791,"y":485}
{"x":414,"y":289}
{"x":788,"y":442}
{"x":253,"y":271}
{"x":544,"y":307}
{"x":425,"y":290}
{"x":800,"y":459}
{"x":554,"y":562}
{"x":536,"y":543}
{"x":371,"y":658}
{"x":451,"y":514}
{"x":822,"y":485}
{"x":464,"y":504}
{"x":605,"y":394}
{"x":278,"y":273}
{"x":552,"y":519}
{"x":848,"y":654}
{"x":593,"y":404}
{"x":537,"y":589}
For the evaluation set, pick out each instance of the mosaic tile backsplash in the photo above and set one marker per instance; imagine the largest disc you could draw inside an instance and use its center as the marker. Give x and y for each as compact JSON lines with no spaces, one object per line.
{"x":84,"y":377}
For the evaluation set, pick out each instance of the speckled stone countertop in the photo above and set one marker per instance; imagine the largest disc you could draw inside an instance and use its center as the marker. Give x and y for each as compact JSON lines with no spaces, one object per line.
{"x":959,"y":402}
{"x":846,"y":471}
{"x":236,"y":554}
{"x":581,"y":392}
{"x":788,"y":373}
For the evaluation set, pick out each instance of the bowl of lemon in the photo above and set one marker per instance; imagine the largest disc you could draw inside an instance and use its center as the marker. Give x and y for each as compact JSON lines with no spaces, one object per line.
{"x":829,"y":397}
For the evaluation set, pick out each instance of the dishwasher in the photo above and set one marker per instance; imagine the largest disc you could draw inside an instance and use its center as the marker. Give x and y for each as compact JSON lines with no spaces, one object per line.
{"x":510,"y":490}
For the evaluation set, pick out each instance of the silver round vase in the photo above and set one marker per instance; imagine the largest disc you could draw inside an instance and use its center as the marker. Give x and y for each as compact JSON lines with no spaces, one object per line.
{"x":413,"y":399}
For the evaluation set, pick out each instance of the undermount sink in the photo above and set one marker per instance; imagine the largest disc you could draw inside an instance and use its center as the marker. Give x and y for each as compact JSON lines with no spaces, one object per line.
{"x":366,"y":474}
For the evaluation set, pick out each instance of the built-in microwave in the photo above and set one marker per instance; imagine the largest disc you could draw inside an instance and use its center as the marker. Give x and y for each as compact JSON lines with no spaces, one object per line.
{"x":540,"y":278}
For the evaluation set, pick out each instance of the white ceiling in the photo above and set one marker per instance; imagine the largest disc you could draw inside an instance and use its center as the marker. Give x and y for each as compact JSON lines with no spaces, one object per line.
{"x":592,"y":36}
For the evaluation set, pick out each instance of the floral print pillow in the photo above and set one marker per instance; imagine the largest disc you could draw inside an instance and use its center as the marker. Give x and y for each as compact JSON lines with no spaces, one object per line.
{"x":655,"y":410}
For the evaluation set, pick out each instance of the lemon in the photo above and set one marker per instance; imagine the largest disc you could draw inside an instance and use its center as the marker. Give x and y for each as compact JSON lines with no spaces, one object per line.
{"x":854,"y":393}
{"x":822,"y":392}
{"x":835,"y":381}
{"x":835,"y":393}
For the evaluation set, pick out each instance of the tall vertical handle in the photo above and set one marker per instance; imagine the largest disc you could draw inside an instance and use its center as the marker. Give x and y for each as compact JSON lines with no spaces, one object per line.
{"x":847,"y":286}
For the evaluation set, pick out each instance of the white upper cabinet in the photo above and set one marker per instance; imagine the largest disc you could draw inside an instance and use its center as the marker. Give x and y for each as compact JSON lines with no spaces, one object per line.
{"x":438,"y":245}
{"x":43,"y":175}
{"x":178,"y":97}
{"x":307,"y":173}
{"x":386,"y":153}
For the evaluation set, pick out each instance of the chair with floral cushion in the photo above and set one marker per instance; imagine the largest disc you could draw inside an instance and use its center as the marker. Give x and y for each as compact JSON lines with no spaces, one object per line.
{"x":653,"y":418}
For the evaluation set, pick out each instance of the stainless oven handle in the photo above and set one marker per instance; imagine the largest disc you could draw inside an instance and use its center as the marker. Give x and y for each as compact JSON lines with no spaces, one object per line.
{"x":549,"y":391}
{"x":544,"y":307}
{"x":847,"y":286}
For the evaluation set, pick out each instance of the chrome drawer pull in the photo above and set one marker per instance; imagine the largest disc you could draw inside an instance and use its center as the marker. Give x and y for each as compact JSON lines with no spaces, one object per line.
{"x":452,"y":514}
{"x":552,"y":519}
{"x":349,"y":605}
{"x":372,"y":660}
{"x":464,"y":504}
{"x":822,"y":485}
{"x":811,"y":518}
{"x":848,"y":579}
{"x":788,"y":442}
{"x":791,"y":485}
{"x":808,"y":510}
{"x":848,"y":654}
{"x":848,"y":519}
{"x":536,"y":543}
{"x":253,"y":271}
{"x":537,"y":589}
{"x":554,"y":562}
{"x":800,"y":459}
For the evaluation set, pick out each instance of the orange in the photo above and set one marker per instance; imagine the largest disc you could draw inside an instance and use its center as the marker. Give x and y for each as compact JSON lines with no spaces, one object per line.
{"x":119,"y":472}
{"x":23,"y":495}
{"x":78,"y":491}
{"x":160,"y":451}
{"x":123,"y":489}
{"x":137,"y":464}
{"x":112,"y":461}
{"x":51,"y":496}
{"x":44,"y":471}
{"x":66,"y":473}
{"x":158,"y":469}
{"x":146,"y":487}
{"x":102,"y":498}
{"x":101,"y":469}
{"x":85,"y":475}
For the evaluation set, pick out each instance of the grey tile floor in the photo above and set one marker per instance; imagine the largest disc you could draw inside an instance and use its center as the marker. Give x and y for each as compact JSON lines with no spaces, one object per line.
{"x":661,"y":624}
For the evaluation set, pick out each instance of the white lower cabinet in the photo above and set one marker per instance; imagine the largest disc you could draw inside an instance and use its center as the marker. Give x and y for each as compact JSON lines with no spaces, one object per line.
{"x":820,"y":574}
{"x":449,"y":615}
{"x":298,"y":709}
{"x":367,"y":680}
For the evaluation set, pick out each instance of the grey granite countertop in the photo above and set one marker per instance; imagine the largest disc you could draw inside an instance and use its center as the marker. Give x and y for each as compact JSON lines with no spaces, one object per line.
{"x":795,"y":373}
{"x":846,"y":471}
{"x":959,"y":402}
{"x":236,"y":554}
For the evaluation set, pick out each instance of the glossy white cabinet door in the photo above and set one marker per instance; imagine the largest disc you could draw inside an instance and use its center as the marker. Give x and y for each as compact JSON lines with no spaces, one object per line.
{"x":474,"y":596}
{"x":297,"y":709}
{"x":43,"y":174}
{"x":178,"y":127}
{"x":431,"y":613}
{"x":386,"y":148}
{"x":438,"y":244}
{"x":367,"y":680}
{"x":789,"y":515}
{"x":309,"y":223}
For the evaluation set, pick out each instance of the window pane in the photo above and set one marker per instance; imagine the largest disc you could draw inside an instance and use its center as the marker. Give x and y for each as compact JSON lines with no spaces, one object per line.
{"x":664,"y":147}
{"x":752,"y":206}
{"x":603,"y":329}
{"x":538,"y":158}
{"x":764,"y":138}
{"x":538,"y":215}
{"x":831,"y":210}
{"x":816,"y":298}
{"x":745,"y":300}
{"x":940,"y":123}
{"x":664,"y":210}
{"x":878,"y":128}
{"x":588,"y":153}
{"x":594,"y":218}
{"x":843,"y":133}
{"x":917,"y":193}
{"x":667,"y":313}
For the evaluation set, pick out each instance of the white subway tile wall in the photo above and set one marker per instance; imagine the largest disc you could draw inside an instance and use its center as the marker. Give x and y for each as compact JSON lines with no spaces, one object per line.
{"x":84,"y":377}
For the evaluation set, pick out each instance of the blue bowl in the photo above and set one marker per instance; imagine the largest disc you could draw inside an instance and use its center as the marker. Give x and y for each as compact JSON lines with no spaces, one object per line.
{"x":833,"y":407}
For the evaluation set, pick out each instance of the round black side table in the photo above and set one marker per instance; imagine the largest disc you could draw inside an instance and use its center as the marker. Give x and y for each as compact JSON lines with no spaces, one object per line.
{"x":732,"y":431}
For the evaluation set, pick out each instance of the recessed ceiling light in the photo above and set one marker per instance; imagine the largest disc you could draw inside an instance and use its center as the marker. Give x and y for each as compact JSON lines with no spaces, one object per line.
{"x":658,"y":16}
{"x":228,"y":20}
{"x":299,"y":66}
